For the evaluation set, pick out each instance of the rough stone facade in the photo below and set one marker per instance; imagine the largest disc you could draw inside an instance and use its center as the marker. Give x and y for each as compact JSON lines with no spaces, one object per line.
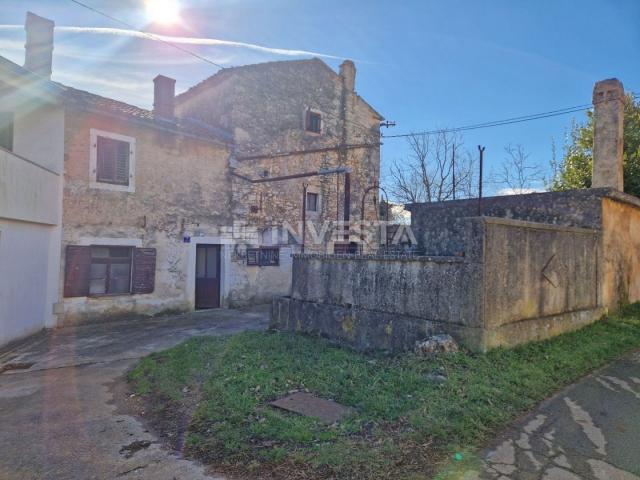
{"x":182,"y":186}
{"x":533,"y":266}
{"x":265,"y":106}
{"x":191,"y":188}
{"x":439,"y":226}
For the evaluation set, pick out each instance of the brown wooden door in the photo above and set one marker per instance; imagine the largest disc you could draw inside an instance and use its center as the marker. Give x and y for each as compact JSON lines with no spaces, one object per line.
{"x":207,"y":276}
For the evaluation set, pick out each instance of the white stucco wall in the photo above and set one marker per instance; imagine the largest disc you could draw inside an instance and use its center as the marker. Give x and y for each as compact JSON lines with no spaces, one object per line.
{"x":28,"y":192}
{"x":24,"y":278}
{"x":30,"y":221}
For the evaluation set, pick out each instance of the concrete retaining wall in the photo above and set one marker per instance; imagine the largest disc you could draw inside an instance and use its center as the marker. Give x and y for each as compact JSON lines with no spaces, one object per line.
{"x":521,"y":281}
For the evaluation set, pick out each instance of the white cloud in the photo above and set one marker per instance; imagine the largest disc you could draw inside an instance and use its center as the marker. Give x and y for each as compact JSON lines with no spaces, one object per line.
{"x":183,"y":40}
{"x":518,"y":191}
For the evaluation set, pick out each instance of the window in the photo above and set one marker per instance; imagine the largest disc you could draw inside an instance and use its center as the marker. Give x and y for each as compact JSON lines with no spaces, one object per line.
{"x":312,"y":202}
{"x":263,"y":256}
{"x":108,"y":270}
{"x":6,"y":130}
{"x":313,"y":122}
{"x":112,"y":161}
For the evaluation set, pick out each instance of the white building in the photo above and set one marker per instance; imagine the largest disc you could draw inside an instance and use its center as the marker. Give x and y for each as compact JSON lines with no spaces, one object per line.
{"x":31,"y":171}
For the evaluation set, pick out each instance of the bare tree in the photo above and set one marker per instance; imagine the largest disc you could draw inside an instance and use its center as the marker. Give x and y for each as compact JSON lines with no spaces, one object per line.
{"x":518,"y":174}
{"x":437,"y":169}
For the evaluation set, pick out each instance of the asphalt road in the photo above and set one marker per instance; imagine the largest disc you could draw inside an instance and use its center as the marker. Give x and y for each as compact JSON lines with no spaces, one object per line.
{"x":590,"y":430}
{"x":58,"y":420}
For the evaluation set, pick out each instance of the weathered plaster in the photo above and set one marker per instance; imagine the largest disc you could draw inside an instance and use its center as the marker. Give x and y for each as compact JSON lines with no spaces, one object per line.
{"x":182,"y":188}
{"x":621,"y":246}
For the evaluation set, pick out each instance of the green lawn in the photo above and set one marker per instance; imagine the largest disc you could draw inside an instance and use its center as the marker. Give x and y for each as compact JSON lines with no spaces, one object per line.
{"x":405,"y":425}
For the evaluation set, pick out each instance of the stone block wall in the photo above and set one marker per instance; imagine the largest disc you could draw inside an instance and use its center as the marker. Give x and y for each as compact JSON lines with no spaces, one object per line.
{"x":264,"y":105}
{"x":439,"y":227}
{"x":521,"y":281}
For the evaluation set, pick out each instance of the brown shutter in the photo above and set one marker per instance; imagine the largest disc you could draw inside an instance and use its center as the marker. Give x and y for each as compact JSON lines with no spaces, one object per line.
{"x":106,"y":160}
{"x":77,"y":270}
{"x":122,"y":163}
{"x":144,"y":270}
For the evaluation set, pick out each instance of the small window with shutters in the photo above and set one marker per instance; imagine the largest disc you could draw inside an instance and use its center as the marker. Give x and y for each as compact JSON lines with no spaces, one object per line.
{"x":108,"y":270}
{"x":112,"y":161}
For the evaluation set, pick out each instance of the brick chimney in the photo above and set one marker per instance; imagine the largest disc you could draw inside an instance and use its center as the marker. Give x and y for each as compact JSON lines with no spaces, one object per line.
{"x":608,"y":122}
{"x":38,"y":53}
{"x":348,"y":75}
{"x":164,"y":93}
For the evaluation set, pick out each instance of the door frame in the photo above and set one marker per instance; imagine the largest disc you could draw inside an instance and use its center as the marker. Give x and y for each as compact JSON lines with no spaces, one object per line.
{"x":217,"y":279}
{"x":190,"y":294}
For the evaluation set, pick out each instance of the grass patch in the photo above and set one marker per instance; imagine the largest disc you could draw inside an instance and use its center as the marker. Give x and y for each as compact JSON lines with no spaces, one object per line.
{"x":406,"y":426}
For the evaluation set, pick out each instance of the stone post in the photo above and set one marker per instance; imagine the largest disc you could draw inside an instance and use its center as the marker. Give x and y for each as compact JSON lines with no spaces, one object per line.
{"x":608,"y":121}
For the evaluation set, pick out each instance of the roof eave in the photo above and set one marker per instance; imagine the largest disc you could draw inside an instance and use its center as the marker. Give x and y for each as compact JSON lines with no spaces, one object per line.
{"x":150,"y":124}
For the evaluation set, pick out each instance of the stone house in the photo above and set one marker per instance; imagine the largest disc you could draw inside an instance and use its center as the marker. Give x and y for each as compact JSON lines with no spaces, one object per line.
{"x":287,"y":119}
{"x":158,"y":210}
{"x":136,"y":186}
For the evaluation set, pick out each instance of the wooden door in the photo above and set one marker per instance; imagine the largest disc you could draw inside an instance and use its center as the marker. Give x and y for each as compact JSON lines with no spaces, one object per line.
{"x":207,"y":276}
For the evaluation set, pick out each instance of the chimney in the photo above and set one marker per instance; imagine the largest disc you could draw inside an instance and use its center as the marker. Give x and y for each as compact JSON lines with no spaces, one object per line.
{"x":608,"y":122}
{"x":164,"y":92}
{"x":348,"y":75}
{"x":39,"y":47}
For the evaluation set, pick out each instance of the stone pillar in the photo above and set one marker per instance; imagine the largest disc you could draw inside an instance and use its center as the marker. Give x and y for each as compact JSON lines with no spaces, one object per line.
{"x":608,"y":121}
{"x":348,"y":75}
{"x":164,"y":94}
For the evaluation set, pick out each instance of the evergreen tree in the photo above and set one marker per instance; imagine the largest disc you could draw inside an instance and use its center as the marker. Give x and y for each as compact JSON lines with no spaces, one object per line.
{"x":574,"y":171}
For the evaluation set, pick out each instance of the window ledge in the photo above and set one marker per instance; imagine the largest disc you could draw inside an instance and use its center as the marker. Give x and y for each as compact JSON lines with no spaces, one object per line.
{"x":112,"y":186}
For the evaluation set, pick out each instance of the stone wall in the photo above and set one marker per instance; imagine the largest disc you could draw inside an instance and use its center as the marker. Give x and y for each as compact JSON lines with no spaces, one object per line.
{"x":182,"y":188}
{"x":380,"y":302}
{"x":539,"y":280}
{"x":520,"y":281}
{"x":264,"y":105}
{"x":621,"y":247}
{"x":439,"y":226}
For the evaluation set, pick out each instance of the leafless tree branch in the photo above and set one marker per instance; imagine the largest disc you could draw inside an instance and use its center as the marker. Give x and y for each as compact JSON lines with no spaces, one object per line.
{"x":436,"y":169}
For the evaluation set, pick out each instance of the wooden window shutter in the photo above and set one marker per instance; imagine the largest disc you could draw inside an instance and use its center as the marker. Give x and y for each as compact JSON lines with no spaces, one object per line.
{"x":106,"y":160}
{"x":122,"y":163}
{"x":144,"y":270}
{"x":77,"y":269}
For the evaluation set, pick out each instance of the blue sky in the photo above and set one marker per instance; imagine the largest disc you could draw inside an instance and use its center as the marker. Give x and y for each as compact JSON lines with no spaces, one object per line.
{"x":424,"y":64}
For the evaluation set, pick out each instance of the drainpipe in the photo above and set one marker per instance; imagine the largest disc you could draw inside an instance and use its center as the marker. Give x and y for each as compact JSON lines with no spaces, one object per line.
{"x":347,"y":204}
{"x":304,"y":214}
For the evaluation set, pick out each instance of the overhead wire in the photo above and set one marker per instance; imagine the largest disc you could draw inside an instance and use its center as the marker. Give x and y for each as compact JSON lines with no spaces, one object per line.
{"x":148,"y":34}
{"x":506,"y":121}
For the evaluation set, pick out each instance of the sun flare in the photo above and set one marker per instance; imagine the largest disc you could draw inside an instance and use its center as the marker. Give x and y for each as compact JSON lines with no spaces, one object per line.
{"x":163,"y":11}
